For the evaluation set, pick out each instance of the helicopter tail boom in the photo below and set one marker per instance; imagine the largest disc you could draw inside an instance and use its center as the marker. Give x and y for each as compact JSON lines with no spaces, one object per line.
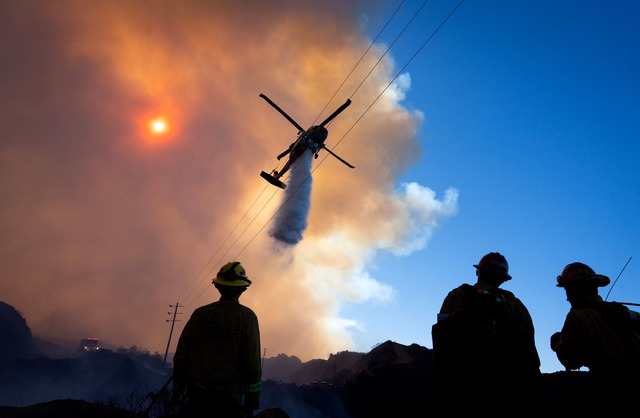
{"x":340,"y":159}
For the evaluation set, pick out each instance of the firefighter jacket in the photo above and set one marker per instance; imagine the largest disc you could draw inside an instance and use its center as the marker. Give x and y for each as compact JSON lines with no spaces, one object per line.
{"x":595,"y":336}
{"x":484,"y":347}
{"x":219,"y":351}
{"x":513,"y":313}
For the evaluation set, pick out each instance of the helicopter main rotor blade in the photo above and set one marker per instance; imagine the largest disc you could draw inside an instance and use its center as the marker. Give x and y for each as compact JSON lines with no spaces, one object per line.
{"x":283,"y":113}
{"x":332,"y":153}
{"x":336,"y":113}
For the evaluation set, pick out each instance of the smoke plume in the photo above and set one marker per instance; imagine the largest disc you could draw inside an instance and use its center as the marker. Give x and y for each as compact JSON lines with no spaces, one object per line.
{"x":106,"y":222}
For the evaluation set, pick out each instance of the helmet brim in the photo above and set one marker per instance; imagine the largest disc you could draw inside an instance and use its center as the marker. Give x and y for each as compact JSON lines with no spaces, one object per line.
{"x":507,"y":276}
{"x":597,"y":280}
{"x":235,"y":283}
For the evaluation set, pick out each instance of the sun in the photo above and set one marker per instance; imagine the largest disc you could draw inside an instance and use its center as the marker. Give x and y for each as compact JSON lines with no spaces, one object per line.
{"x":158,"y":126}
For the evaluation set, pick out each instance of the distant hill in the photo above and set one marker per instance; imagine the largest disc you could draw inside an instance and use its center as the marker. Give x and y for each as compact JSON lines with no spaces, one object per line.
{"x":337,"y":369}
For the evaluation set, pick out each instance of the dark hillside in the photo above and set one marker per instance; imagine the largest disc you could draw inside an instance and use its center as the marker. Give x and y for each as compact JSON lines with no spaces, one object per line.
{"x":16,"y":335}
{"x":66,"y":408}
{"x":395,"y":380}
{"x":98,"y":376}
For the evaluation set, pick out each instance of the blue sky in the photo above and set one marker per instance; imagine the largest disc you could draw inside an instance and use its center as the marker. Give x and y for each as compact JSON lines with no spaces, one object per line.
{"x":531,"y":112}
{"x":514,"y":129}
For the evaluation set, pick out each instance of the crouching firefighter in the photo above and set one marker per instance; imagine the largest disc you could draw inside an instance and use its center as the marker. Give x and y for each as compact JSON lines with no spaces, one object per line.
{"x":216,"y":367}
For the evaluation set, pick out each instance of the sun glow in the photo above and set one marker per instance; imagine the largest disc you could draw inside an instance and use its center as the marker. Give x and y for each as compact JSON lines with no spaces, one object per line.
{"x":158,"y":126}
{"x":159,"y":129}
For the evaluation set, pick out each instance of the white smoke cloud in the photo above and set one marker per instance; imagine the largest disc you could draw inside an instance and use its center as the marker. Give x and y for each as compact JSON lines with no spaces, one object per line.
{"x":423,"y":213}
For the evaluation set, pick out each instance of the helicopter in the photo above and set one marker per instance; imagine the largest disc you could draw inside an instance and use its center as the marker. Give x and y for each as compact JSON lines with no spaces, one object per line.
{"x":310,"y":139}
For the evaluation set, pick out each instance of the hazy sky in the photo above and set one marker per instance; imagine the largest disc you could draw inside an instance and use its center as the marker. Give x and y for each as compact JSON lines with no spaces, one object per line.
{"x":512,"y":128}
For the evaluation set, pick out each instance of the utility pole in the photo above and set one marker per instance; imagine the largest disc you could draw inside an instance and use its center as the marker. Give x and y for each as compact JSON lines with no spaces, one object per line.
{"x":173,"y":321}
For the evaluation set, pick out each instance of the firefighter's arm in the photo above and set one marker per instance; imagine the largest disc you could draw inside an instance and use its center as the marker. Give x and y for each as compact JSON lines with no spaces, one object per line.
{"x":252,"y":398}
{"x":180,"y":362}
{"x":252,"y":375}
{"x":568,"y":344}
{"x":179,"y":392}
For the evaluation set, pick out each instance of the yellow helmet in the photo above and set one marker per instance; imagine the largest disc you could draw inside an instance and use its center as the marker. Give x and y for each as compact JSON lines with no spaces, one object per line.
{"x":232,"y":274}
{"x":581,"y":273}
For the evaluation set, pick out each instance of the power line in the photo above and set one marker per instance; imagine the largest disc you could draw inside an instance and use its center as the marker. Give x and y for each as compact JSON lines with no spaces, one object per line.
{"x":399,"y":72}
{"x":337,"y":143}
{"x":360,"y":60}
{"x":619,"y":274}
{"x":190,"y":301}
